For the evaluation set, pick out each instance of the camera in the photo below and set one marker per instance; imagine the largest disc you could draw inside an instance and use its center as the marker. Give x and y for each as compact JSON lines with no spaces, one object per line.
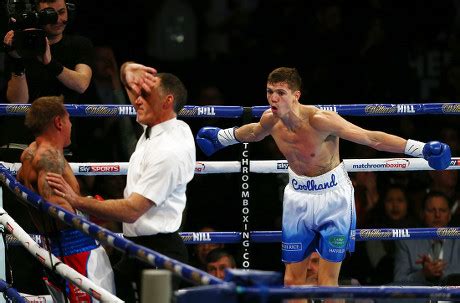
{"x":29,"y":40}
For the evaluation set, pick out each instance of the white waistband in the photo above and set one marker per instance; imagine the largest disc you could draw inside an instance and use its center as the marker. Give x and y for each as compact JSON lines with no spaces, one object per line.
{"x":321,"y":183}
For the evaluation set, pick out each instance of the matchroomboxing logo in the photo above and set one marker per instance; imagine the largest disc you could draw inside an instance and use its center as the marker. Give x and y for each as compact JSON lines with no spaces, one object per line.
{"x":448,"y":232}
{"x":374,"y":233}
{"x":17,"y":109}
{"x":450,"y":108}
{"x":99,"y":168}
{"x":391,"y":163}
{"x":101,"y":111}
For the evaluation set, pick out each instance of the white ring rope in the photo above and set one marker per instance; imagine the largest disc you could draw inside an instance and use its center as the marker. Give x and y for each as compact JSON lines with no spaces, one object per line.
{"x":256,"y":166}
{"x":48,"y":259}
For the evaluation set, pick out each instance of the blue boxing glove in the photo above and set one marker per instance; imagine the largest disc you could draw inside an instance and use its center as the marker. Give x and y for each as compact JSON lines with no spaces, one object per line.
{"x":436,"y":153}
{"x":211,"y":139}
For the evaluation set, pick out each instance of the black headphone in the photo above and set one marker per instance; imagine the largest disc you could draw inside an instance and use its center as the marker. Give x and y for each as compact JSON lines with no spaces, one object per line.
{"x":71,"y":11}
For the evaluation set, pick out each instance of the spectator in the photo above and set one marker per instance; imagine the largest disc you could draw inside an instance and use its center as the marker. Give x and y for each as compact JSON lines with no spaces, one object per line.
{"x":426,"y":262}
{"x":217,"y":260}
{"x":312,"y":268}
{"x":312,"y":276}
{"x":445,"y":181}
{"x":202,"y":250}
{"x":366,"y":195}
{"x":395,"y":215}
{"x":110,"y":91}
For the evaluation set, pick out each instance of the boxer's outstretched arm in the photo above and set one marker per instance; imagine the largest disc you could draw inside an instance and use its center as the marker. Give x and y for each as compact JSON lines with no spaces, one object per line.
{"x":211,"y":139}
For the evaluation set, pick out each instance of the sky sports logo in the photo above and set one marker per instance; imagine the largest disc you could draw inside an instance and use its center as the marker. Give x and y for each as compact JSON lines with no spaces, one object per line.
{"x":455,"y":162}
{"x":99,"y":168}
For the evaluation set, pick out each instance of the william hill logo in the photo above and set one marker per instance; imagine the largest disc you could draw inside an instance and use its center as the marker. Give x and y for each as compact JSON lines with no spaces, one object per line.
{"x":331,"y":108}
{"x":197,"y":111}
{"x":451,"y":108}
{"x":201,"y":236}
{"x":101,"y":110}
{"x":379,"y":109}
{"x":17,"y":108}
{"x":187,"y":112}
{"x":448,"y":232}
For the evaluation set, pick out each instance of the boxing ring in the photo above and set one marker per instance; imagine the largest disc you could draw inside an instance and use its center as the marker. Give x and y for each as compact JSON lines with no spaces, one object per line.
{"x":246,"y":285}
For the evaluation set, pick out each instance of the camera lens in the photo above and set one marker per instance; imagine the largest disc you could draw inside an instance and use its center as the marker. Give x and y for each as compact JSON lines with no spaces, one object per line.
{"x":30,"y":43}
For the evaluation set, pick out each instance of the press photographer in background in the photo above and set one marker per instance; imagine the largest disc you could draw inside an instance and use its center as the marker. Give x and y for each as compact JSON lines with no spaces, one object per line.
{"x":42,"y":61}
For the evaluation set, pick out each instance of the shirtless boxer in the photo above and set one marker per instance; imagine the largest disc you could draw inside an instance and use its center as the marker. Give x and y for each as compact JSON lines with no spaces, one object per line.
{"x":49,"y":122}
{"x":318,"y":203}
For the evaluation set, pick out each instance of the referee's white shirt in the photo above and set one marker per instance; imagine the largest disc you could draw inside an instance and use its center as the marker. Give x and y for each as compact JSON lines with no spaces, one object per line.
{"x":159,"y":169}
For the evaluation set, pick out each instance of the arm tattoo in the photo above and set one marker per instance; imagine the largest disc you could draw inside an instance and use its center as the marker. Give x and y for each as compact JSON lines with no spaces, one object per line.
{"x":50,"y":161}
{"x":29,"y":154}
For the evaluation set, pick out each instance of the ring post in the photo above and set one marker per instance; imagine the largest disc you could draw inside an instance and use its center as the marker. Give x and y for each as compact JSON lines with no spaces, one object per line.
{"x":156,"y":286}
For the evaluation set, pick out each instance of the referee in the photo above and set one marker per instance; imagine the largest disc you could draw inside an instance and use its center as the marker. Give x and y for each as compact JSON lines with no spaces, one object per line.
{"x":158,"y":172}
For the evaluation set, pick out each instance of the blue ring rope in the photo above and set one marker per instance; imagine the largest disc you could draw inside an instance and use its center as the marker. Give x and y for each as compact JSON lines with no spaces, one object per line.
{"x":233,"y":237}
{"x":103,"y":235}
{"x":361,"y":235}
{"x":349,"y":292}
{"x":219,"y":111}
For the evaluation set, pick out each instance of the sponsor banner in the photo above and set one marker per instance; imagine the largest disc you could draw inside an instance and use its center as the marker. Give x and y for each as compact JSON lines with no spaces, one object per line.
{"x":337,"y":241}
{"x":453,"y":232}
{"x":17,"y":108}
{"x":393,"y":233}
{"x":207,"y":111}
{"x":126,"y":110}
{"x":98,"y":110}
{"x":282,"y":165}
{"x":331,"y":108}
{"x":389,"y":109}
{"x":455,"y":162}
{"x":98,"y":168}
{"x":400,"y":164}
{"x":450,"y":108}
{"x":200,"y":167}
{"x":292,"y":246}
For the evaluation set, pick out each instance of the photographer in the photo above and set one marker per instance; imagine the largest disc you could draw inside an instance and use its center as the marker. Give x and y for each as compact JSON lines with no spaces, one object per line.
{"x":63,"y":67}
{"x":42,"y":60}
